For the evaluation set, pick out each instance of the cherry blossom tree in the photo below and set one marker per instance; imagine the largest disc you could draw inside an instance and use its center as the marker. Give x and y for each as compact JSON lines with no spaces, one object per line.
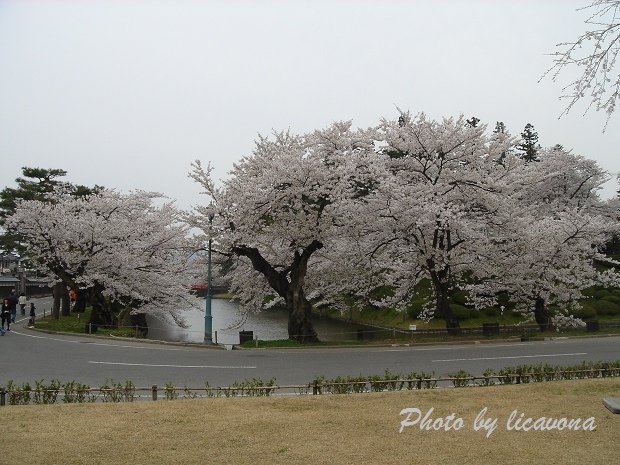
{"x":464,"y":211}
{"x":594,"y":55}
{"x":560,"y":179}
{"x":548,"y":237}
{"x":431,"y":210}
{"x":548,"y":262}
{"x":122,"y":250}
{"x":276,"y":210}
{"x":36,"y":184}
{"x":340,"y":216}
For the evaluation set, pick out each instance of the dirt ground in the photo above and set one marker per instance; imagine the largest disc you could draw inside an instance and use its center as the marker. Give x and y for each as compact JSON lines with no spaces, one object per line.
{"x":328,"y":429}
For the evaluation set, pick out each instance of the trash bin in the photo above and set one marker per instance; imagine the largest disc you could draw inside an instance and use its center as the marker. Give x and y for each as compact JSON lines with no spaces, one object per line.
{"x":362,"y":334}
{"x":245,"y":336}
{"x":592,"y":325}
{"x":489,"y":329}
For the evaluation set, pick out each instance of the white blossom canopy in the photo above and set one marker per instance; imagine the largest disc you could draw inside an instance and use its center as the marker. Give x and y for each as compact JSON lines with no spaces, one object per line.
{"x":137,"y":251}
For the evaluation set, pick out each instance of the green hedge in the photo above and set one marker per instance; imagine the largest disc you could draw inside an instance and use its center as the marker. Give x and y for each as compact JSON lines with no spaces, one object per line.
{"x":73,"y":392}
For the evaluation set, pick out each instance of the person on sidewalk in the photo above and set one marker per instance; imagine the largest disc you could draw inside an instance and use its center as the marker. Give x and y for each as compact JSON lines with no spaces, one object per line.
{"x":12,"y":306}
{"x":22,"y":303}
{"x":32,"y":314}
{"x":5,"y":312}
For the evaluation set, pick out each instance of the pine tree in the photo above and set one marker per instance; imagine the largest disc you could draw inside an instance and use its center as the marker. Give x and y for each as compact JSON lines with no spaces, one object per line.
{"x":36,"y":184}
{"x":473,"y":121}
{"x":500,"y":128}
{"x":501,"y":133}
{"x":529,"y":146}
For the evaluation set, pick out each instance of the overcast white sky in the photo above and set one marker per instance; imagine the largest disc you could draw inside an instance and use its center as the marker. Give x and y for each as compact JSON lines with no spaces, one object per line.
{"x":126,"y":93}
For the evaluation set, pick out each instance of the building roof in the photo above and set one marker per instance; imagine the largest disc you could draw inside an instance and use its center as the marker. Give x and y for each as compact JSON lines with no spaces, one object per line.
{"x":9,"y":256}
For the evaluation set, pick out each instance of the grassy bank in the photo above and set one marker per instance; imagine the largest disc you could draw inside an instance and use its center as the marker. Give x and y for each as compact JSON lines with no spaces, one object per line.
{"x":600,"y":304}
{"x":76,"y":323}
{"x":386,"y":318}
{"x":394,"y":319}
{"x":331,"y":429}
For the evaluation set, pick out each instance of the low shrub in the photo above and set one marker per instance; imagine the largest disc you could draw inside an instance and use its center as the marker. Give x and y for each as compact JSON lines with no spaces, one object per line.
{"x":612,"y":297}
{"x":18,"y":395}
{"x":601,"y":294}
{"x":462,"y":313}
{"x":604,"y":307}
{"x":415,"y":307}
{"x":490,"y":311}
{"x":117,"y":392}
{"x":254,"y":387}
{"x":375,"y":383}
{"x":461,"y":378}
{"x":170,"y":392}
{"x":46,"y":393}
{"x":112,"y":391}
{"x":459,"y":297}
{"x":489,"y":379}
{"x":77,"y":393}
{"x":585,"y":312}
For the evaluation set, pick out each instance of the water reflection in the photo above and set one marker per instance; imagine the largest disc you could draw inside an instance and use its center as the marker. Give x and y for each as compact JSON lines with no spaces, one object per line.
{"x":228,"y":321}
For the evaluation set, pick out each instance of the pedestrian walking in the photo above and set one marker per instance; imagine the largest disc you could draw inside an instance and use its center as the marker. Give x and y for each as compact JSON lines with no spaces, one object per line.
{"x":32,"y":314}
{"x":22,"y":303}
{"x":12,"y":306}
{"x":6,"y":315}
{"x":72,"y":298}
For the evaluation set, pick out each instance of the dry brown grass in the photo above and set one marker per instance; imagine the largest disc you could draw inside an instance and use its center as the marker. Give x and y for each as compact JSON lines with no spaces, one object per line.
{"x":330,"y":429}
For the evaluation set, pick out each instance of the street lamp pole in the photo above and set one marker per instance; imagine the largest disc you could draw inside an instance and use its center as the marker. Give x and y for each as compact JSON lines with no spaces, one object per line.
{"x":208,"y":339}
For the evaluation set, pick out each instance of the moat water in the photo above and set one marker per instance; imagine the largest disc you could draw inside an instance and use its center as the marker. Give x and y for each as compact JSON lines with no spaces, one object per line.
{"x":229,"y":320}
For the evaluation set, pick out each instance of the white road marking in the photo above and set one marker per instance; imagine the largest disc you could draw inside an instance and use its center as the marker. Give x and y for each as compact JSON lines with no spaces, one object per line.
{"x":174,"y":366}
{"x":371,"y":349}
{"x":454,"y":347}
{"x":511,"y":357}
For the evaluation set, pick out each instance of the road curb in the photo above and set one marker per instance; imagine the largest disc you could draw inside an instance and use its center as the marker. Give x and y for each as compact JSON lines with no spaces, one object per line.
{"x":127,"y":339}
{"x":515,"y":339}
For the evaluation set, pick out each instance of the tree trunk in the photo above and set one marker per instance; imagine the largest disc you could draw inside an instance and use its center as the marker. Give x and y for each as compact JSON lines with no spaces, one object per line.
{"x":57,"y":293}
{"x":135,"y":321}
{"x":101,"y":314}
{"x":441,"y":289}
{"x":289,"y":284}
{"x":440,"y":276}
{"x":542,"y":315}
{"x":80,"y":301}
{"x":300,"y":326}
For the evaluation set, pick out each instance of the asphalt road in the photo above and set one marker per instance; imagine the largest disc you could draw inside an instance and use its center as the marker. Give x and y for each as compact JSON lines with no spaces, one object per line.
{"x":27,"y":355}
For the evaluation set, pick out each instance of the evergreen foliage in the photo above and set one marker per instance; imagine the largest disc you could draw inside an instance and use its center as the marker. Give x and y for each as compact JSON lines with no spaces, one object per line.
{"x":35,"y":184}
{"x":528,"y":147}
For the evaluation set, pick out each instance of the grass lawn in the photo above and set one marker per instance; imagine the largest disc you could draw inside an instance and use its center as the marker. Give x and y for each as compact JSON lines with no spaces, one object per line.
{"x":393,"y":319}
{"x":76,"y":323}
{"x":328,"y":429}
